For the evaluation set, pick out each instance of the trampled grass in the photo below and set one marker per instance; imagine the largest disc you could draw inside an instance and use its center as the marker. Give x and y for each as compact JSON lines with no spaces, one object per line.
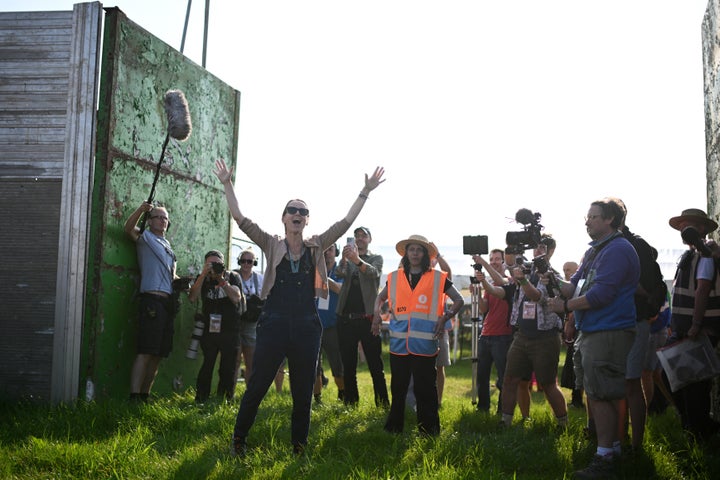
{"x":175,"y":438}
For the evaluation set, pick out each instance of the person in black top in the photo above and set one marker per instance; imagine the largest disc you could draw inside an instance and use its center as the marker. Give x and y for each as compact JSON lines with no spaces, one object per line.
{"x":222,"y":305}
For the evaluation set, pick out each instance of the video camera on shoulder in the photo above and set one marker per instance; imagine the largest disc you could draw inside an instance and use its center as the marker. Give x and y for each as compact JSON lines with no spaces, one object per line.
{"x":529,"y":237}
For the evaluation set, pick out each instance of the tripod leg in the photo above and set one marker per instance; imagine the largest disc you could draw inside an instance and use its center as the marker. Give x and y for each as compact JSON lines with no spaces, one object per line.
{"x":474,"y":359}
{"x":474,"y":289}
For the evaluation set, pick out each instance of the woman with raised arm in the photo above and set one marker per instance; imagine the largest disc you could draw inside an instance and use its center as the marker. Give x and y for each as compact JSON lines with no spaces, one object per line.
{"x":289,"y":325}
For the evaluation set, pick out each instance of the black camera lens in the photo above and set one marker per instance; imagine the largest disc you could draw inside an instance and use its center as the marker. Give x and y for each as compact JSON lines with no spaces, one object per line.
{"x":218,"y":267}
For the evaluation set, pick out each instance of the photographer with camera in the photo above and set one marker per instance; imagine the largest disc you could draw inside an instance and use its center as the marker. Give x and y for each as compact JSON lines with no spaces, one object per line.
{"x":536,"y":344}
{"x":157,"y":263}
{"x":222,"y":305}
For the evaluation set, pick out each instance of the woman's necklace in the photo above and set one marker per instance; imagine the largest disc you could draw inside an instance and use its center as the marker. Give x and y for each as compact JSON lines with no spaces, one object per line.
{"x":247,"y":284}
{"x":294,"y":264}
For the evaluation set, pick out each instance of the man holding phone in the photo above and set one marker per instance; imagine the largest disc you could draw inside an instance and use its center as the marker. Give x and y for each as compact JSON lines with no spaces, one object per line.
{"x":360,"y":271}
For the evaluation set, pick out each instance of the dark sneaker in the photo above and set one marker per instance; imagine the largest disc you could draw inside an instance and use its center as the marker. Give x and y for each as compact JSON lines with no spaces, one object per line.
{"x":239,"y":447}
{"x":298,"y":449}
{"x":599,"y":468}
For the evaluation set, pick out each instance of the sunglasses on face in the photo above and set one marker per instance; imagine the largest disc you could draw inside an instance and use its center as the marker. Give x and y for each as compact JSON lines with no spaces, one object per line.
{"x":246,"y":260}
{"x":293,"y":210}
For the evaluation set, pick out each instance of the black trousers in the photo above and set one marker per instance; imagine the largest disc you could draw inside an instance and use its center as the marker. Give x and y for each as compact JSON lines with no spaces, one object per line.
{"x":212,"y":344}
{"x":350,"y":332}
{"x":424,"y":376}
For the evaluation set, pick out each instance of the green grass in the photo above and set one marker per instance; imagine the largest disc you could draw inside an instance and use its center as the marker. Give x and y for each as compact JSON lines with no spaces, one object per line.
{"x":172,"y":438}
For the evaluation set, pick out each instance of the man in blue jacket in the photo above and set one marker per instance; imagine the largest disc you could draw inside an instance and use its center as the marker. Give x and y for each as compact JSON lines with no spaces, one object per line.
{"x":602,"y":295}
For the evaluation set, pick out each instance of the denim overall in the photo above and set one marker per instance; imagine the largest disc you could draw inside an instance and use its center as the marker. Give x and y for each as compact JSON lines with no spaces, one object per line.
{"x":289,"y":326}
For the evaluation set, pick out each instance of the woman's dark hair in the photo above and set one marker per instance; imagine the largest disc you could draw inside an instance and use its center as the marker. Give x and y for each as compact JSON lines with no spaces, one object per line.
{"x":424,"y":263}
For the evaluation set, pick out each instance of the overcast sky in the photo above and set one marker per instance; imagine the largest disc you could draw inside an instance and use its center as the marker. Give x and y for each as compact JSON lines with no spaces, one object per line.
{"x":474,"y":108}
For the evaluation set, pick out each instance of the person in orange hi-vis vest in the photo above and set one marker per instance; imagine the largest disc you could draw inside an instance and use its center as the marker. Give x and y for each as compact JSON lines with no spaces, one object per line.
{"x":414,"y":293}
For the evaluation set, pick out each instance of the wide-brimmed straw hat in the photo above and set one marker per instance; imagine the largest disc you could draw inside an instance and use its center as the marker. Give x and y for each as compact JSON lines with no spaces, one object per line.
{"x":419,"y":240}
{"x":694,"y":214}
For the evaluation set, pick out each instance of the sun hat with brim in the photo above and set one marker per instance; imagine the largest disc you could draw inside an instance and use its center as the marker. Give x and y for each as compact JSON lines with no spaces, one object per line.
{"x":694,"y":214}
{"x":419,"y":240}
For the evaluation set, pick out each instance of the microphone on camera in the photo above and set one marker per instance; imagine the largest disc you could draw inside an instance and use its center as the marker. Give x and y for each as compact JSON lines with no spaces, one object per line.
{"x":691,"y":236}
{"x":524,"y":216}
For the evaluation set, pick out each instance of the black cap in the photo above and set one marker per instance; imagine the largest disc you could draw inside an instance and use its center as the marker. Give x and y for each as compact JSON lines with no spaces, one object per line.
{"x":364,"y":230}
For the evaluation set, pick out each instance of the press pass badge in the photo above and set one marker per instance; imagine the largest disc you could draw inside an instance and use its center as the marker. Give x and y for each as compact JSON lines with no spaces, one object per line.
{"x":215,"y":321}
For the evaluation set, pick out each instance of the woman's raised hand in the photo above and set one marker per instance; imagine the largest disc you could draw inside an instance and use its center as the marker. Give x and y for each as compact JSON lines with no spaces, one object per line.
{"x":221,"y":171}
{"x":376,"y":179}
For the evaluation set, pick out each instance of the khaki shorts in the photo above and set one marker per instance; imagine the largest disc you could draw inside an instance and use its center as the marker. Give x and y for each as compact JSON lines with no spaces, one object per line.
{"x":539,"y":354}
{"x":604,"y":361}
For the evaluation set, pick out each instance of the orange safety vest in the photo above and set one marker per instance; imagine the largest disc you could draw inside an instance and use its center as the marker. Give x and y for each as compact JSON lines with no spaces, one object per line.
{"x":414,"y":313}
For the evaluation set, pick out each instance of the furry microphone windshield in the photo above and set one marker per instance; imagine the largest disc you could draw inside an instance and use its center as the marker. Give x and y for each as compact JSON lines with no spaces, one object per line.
{"x":179,"y":128}
{"x":178,"y":115}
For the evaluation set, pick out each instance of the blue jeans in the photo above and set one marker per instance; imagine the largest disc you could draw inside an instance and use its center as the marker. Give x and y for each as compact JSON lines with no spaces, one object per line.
{"x":280,"y":336}
{"x":490,"y":349}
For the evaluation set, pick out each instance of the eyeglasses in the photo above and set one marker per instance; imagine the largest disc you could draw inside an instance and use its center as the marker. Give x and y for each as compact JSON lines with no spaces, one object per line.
{"x":246,"y":260}
{"x":592,"y":217}
{"x":160,"y":217}
{"x":293,"y":210}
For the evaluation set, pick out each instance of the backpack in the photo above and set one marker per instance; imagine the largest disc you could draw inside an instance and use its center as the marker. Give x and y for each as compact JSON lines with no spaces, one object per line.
{"x":658,"y":295}
{"x":657,"y":291}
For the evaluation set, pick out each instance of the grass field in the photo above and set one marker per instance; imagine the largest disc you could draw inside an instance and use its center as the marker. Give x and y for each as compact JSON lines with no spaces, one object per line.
{"x":173,"y":438}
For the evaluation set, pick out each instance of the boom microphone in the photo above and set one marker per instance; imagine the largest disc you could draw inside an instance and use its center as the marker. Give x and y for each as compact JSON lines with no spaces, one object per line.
{"x":692,"y":237}
{"x":178,"y":115}
{"x":179,"y":128}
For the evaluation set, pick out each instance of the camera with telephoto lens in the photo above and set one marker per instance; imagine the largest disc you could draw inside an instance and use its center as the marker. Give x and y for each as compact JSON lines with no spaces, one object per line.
{"x":529,"y":237}
{"x":197,"y":334}
{"x":217,"y":267}
{"x":541,"y":264}
{"x":523,"y":263}
{"x":182,"y":283}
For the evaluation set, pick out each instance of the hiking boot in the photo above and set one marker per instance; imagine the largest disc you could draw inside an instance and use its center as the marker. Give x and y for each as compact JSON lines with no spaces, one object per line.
{"x":599,"y":468}
{"x":238,"y":447}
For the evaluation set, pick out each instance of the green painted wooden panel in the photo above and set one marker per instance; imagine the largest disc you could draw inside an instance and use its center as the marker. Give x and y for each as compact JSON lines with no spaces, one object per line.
{"x":137,"y":70}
